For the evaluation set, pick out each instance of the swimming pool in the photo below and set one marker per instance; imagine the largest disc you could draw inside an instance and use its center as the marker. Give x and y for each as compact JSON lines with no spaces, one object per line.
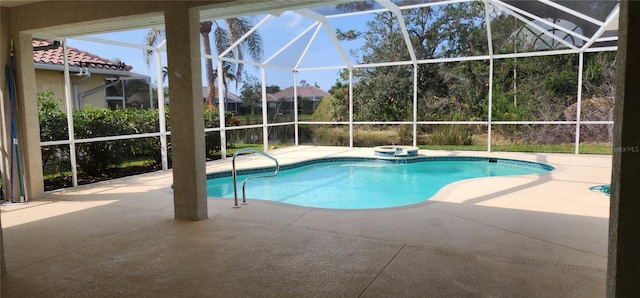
{"x":365,"y":183}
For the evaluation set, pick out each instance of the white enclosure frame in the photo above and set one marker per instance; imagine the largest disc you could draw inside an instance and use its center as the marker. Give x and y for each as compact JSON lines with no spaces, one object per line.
{"x":321,"y":21}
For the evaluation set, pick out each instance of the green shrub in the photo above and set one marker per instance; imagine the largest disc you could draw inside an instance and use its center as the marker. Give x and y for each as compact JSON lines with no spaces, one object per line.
{"x":95,"y":157}
{"x":212,"y":139}
{"x":53,"y":126}
{"x":325,"y":135}
{"x":451,"y":135}
{"x":330,"y":109}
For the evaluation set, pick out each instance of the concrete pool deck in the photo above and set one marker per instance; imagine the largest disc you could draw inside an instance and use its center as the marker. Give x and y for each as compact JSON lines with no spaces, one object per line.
{"x":522,"y":236}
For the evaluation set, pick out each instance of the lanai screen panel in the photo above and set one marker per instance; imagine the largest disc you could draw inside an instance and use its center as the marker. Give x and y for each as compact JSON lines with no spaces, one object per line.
{"x":350,"y":7}
{"x":582,"y":17}
{"x":447,"y":31}
{"x":514,"y":33}
{"x":350,"y":32}
{"x":284,"y":50}
{"x":358,"y":34}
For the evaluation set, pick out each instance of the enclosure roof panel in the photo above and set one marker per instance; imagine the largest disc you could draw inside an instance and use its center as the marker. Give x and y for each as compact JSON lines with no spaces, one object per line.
{"x":543,"y":25}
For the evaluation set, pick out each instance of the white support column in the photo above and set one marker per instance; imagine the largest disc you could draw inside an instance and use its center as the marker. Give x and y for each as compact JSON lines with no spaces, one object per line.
{"x":150,"y":92}
{"x":265,"y":128}
{"x":221,"y":109}
{"x":579,"y":103}
{"x":487,"y":20}
{"x":415,"y":105}
{"x":161,"y":112}
{"x":295,"y":104}
{"x":350,"y":107}
{"x":69,"y":109}
{"x":490,"y":105}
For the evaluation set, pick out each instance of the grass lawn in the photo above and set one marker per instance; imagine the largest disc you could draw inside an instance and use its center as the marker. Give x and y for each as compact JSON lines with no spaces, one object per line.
{"x":542,"y":148}
{"x":257,"y":118}
{"x":237,"y":147}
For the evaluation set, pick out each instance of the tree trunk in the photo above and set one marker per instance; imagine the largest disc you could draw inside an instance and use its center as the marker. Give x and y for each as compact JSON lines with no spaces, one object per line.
{"x":205,"y":29}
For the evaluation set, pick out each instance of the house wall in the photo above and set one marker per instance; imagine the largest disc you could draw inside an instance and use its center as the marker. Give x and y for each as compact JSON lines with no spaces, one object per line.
{"x":96,"y":99}
{"x":54,"y":81}
{"x":50,"y":80}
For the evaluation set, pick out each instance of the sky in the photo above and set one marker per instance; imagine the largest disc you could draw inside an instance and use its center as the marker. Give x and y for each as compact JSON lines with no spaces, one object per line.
{"x":276,"y":33}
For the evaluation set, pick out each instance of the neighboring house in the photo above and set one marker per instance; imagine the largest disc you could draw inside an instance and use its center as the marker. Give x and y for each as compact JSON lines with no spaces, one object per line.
{"x":232,"y":102}
{"x":95,"y":81}
{"x":308,"y":98}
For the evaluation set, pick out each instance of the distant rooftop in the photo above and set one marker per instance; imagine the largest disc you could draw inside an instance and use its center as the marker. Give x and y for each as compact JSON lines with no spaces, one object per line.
{"x":303,"y":91}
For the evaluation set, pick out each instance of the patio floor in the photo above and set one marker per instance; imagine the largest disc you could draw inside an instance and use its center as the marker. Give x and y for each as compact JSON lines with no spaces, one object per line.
{"x":525,"y":236}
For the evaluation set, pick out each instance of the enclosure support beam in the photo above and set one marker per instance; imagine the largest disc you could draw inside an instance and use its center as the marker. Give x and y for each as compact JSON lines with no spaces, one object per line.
{"x":487,"y":20}
{"x":221,"y":109}
{"x":295,"y":105}
{"x":415,"y":105}
{"x":187,"y":113}
{"x":624,"y":241}
{"x":350,"y":107}
{"x":265,"y":121}
{"x":69,"y":109}
{"x":161,"y":112}
{"x":579,"y":102}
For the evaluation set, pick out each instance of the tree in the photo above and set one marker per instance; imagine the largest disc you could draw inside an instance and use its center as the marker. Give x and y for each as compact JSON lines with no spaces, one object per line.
{"x":165,"y":73}
{"x":598,"y":97}
{"x":153,"y":37}
{"x":205,"y":29}
{"x":273,"y":89}
{"x":373,"y":99}
{"x":224,"y":37}
{"x":386,"y":93}
{"x":251,"y":93}
{"x":334,"y":107}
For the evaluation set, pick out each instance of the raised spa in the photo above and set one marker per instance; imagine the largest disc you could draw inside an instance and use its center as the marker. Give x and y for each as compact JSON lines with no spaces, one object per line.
{"x":395,"y":151}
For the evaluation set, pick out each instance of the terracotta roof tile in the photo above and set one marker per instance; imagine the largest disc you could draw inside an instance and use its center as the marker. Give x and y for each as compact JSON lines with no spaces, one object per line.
{"x":76,"y":58}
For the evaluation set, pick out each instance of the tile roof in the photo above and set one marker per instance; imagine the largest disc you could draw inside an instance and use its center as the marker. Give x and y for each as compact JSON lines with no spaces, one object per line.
{"x":229,"y":97}
{"x":76,"y":58}
{"x":312,"y":92}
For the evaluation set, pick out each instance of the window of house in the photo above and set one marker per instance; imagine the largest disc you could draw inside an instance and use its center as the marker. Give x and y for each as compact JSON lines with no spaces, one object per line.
{"x":128,"y":93}
{"x":114,"y":94}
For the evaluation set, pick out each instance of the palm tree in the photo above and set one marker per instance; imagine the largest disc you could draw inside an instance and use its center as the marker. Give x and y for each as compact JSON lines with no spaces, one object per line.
{"x":224,"y":37}
{"x":205,"y":29}
{"x":153,"y":37}
{"x":165,"y":73}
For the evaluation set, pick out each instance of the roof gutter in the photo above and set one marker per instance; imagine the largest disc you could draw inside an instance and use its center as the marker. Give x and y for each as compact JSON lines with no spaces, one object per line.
{"x":58,"y":67}
{"x":86,"y":75}
{"x":56,"y":44}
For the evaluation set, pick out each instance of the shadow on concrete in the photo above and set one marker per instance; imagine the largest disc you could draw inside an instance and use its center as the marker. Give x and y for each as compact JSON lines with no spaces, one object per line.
{"x":123,"y":249}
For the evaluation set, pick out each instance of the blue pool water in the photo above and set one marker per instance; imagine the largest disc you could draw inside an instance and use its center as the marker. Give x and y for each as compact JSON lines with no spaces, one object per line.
{"x":360,"y":183}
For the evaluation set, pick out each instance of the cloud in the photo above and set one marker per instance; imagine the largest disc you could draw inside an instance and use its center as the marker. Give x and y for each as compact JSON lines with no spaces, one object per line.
{"x":294,"y":19}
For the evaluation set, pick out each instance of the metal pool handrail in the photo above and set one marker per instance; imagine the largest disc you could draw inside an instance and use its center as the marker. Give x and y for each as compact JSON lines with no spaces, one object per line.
{"x":244,"y":183}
